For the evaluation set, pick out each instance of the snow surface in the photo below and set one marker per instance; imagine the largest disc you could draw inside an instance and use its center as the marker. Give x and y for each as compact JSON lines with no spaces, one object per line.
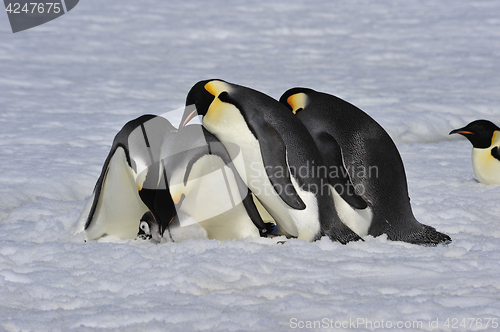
{"x":419,"y":67}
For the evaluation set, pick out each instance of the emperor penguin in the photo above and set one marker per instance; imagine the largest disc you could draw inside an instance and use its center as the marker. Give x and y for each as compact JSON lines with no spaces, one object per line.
{"x":209,"y":195}
{"x":485,"y":138}
{"x":279,"y":157}
{"x":127,"y":186}
{"x":350,"y":139}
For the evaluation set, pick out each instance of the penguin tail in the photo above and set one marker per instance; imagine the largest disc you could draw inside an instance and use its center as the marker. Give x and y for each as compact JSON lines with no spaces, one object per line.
{"x":423,"y":235}
{"x":343,"y":234}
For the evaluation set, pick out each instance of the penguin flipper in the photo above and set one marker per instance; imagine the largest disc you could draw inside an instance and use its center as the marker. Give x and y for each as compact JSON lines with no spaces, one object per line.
{"x":338,"y":177}
{"x":265,"y":228}
{"x":273,"y":152}
{"x":217,"y":148}
{"x":274,"y":156}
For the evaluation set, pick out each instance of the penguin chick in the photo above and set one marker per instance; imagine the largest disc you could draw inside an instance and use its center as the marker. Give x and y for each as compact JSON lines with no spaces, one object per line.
{"x":146,"y":224}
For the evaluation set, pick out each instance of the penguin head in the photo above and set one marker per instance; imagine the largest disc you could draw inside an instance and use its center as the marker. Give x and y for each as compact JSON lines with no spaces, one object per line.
{"x":296,"y":99}
{"x":201,"y":95}
{"x":479,"y":133}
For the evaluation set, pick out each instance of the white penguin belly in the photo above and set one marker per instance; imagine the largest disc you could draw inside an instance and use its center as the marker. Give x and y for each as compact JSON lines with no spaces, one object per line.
{"x":232,"y":128}
{"x":231,"y":225}
{"x":486,"y":167}
{"x":119,"y":208}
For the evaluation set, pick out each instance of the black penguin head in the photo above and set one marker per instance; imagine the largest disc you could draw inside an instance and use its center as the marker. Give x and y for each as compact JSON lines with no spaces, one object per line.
{"x":123,"y":136}
{"x":295,"y":99}
{"x":201,"y":98}
{"x":479,"y":133}
{"x":141,"y":139}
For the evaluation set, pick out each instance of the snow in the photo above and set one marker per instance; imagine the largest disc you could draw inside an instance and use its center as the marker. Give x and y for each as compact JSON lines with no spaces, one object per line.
{"x":420,"y":68}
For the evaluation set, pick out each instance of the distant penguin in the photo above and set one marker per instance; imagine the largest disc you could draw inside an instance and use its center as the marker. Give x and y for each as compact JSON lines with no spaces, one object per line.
{"x":206,"y":189}
{"x":351,"y":140}
{"x":485,"y":138}
{"x":279,"y":157}
{"x":119,"y":200}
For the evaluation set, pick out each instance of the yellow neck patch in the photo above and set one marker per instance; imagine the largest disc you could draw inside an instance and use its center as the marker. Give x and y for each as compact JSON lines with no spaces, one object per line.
{"x":495,"y":139}
{"x":297,"y":101}
{"x":216,"y":87}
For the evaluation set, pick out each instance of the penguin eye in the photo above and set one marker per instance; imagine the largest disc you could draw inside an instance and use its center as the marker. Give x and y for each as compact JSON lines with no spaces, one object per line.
{"x":144,"y":227}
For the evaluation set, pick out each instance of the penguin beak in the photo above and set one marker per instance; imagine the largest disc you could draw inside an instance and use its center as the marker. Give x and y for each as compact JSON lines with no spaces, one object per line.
{"x":461,"y":131}
{"x":189,"y":117}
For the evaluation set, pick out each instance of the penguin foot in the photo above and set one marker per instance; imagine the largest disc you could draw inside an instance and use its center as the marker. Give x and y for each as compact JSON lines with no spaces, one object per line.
{"x":425,"y":236}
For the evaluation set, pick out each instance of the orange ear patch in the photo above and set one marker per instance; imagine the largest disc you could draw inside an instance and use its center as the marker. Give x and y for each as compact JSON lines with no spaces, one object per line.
{"x":297,"y":101}
{"x":216,"y":87}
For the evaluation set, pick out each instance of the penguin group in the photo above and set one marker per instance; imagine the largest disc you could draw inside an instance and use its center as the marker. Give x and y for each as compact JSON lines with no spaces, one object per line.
{"x":241,"y":164}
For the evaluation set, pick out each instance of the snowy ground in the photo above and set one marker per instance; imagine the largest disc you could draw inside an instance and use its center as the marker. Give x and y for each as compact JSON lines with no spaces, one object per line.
{"x":421,"y":68}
